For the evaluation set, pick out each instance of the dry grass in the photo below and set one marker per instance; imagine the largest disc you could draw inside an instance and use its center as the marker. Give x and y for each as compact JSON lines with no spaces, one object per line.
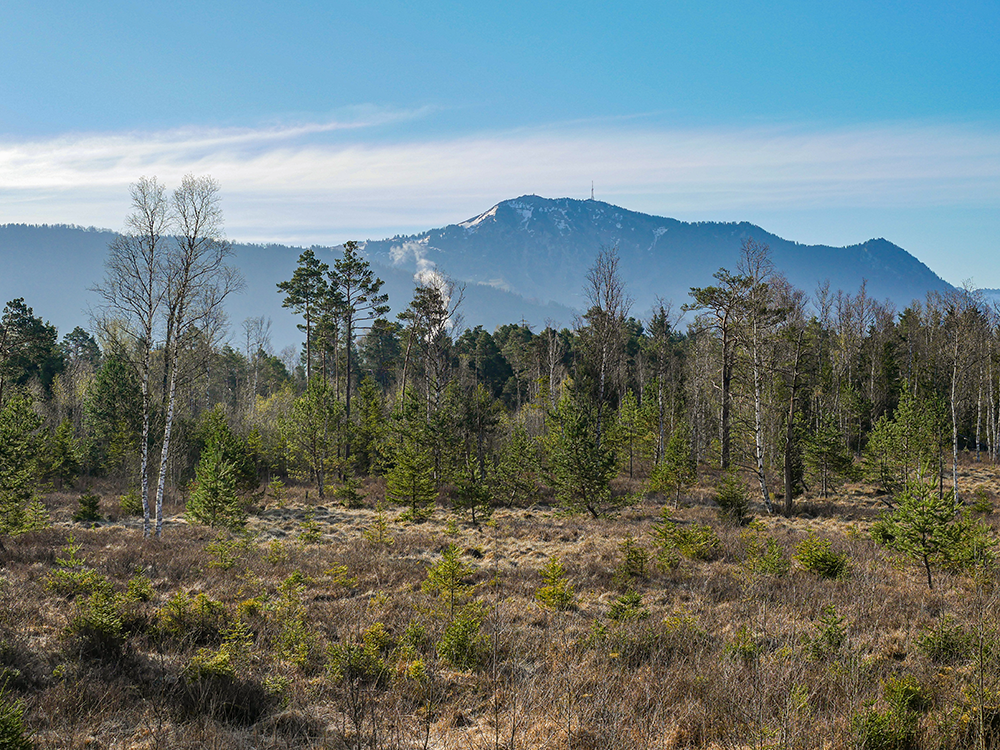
{"x":724,"y":658}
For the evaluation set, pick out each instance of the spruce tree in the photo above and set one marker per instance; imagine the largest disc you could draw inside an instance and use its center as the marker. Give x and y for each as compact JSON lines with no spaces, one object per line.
{"x":582,"y":468}
{"x":213,"y":500}
{"x":410,"y":481}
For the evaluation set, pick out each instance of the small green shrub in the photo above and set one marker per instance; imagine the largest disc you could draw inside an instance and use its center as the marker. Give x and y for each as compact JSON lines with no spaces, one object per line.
{"x":981,"y":501}
{"x":733,"y":500}
{"x":634,"y":565}
{"x":348,"y":494}
{"x":816,"y":556}
{"x":73,"y":583}
{"x":193,"y":619}
{"x":296,"y":642}
{"x":377,"y":531}
{"x":557,"y":592}
{"x":89,"y":510}
{"x":628,"y":606}
{"x":276,"y":552}
{"x":219,"y":682}
{"x":764,"y":556}
{"x":414,"y":636}
{"x":884,"y":730}
{"x":130,"y":504}
{"x":882,"y":532}
{"x":829,"y":636}
{"x":276,"y":490}
{"x":744,"y":645}
{"x":446,"y":579}
{"x":226,"y":550}
{"x":14,"y":735}
{"x":139,"y":589}
{"x":214,"y":499}
{"x":309,"y":530}
{"x":462,"y":644}
{"x":694,"y":542}
{"x":905,"y":694}
{"x":945,"y":642}
{"x":73,"y":577}
{"x":98,"y":625}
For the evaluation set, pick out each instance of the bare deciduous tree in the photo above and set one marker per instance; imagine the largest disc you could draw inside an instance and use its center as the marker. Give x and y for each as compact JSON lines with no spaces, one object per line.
{"x":197,"y":282}
{"x":609,"y":308}
{"x":132,"y":294}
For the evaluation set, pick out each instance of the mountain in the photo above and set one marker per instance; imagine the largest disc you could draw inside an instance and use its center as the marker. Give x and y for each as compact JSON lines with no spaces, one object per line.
{"x":524,"y":259}
{"x":543,"y":247}
{"x":53,"y":267}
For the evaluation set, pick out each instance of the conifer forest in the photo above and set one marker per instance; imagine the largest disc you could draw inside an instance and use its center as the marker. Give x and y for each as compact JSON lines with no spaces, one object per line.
{"x":756,"y":517}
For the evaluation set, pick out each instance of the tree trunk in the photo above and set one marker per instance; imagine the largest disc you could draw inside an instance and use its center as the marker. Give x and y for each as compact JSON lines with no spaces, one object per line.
{"x":161,"y":483}
{"x":144,"y":446}
{"x":790,"y":431}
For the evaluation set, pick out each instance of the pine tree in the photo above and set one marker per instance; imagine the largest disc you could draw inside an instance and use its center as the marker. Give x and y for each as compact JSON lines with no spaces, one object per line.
{"x":304,"y":293}
{"x":826,"y":454}
{"x":633,"y":431}
{"x":472,"y":495}
{"x":446,"y":579}
{"x":370,"y":429}
{"x":312,"y":431}
{"x":358,"y":302}
{"x":513,"y":476}
{"x":928,"y":527}
{"x":63,"y":458}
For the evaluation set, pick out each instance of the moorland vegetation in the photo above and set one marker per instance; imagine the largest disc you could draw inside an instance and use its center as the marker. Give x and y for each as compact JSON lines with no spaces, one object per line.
{"x":774,"y":527}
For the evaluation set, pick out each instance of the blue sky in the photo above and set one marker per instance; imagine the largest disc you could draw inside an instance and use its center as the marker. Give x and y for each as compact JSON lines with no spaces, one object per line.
{"x":824,"y":123}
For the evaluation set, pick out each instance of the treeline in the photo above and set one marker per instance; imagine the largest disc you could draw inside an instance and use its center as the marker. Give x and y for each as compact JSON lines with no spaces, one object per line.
{"x":796,"y":392}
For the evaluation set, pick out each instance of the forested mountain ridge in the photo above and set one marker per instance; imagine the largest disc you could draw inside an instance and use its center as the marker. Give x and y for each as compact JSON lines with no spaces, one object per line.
{"x":541,"y":248}
{"x":53,"y":267}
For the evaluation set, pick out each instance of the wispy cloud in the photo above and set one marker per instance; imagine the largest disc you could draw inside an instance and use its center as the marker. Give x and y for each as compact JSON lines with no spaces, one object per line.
{"x":328,"y":180}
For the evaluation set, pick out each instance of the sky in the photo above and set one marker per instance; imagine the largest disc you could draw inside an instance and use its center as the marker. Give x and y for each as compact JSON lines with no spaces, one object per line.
{"x":828,"y":123}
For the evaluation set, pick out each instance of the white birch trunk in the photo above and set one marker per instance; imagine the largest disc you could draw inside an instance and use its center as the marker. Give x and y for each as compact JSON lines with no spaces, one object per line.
{"x":162,"y":481}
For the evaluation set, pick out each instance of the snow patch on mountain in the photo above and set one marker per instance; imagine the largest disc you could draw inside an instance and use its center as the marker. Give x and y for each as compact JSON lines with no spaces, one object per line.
{"x":473,"y":223}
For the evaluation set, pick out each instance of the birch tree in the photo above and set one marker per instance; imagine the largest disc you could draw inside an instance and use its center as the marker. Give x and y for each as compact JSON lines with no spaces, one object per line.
{"x":197,"y":283}
{"x":604,"y":335}
{"x":132,"y":297}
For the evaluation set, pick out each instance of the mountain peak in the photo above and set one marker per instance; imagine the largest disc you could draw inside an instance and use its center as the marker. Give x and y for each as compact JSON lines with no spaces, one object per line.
{"x":542,"y":247}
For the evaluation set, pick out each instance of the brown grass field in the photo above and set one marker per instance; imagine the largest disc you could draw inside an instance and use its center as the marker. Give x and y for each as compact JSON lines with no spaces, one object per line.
{"x":310,"y":633}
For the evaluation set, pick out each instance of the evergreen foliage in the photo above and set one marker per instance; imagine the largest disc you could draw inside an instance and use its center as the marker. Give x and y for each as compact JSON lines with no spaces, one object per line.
{"x":556,"y":592}
{"x":677,"y":469}
{"x":817,"y":556}
{"x":446,"y":579}
{"x":582,"y":468}
{"x":89,"y":510}
{"x":312,"y":431}
{"x":731,"y":497}
{"x":213,"y":499}
{"x":929,"y":527}
{"x":18,"y":462}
